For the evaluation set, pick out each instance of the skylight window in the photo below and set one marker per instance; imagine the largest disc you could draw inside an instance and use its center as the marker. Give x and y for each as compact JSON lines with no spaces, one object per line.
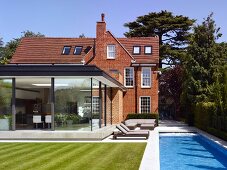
{"x":66,"y":50}
{"x":78,"y":50}
{"x":136,"y":49}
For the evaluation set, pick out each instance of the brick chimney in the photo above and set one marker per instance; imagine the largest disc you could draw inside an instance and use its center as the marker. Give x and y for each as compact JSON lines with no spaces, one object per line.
{"x":101,"y":27}
{"x":103,"y":17}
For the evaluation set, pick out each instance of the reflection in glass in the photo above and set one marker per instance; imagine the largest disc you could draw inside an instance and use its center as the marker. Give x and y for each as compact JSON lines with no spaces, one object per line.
{"x":33,"y":103}
{"x":72,"y":104}
{"x":95,"y":104}
{"x":5,"y":104}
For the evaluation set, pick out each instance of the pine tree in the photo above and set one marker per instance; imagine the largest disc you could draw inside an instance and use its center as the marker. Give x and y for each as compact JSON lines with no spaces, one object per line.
{"x":203,"y":65}
{"x":173,"y":32}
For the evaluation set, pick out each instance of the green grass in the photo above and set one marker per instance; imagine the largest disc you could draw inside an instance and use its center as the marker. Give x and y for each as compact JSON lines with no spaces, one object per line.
{"x":81,"y":156}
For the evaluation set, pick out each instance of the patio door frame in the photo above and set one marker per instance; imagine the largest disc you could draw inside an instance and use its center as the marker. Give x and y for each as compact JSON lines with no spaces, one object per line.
{"x":13,"y":107}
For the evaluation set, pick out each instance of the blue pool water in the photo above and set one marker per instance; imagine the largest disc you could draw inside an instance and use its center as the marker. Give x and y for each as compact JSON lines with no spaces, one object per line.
{"x":190,"y":152}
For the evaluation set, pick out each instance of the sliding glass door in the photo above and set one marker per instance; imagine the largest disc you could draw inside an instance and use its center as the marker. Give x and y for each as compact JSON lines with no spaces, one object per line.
{"x":72,"y":104}
{"x":32,"y":98}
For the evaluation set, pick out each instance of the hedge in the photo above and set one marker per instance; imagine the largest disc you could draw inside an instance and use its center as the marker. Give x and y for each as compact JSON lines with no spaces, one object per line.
{"x":219,"y":122}
{"x":206,"y":118}
{"x":143,"y":116}
{"x":203,"y":114}
{"x":218,"y":133}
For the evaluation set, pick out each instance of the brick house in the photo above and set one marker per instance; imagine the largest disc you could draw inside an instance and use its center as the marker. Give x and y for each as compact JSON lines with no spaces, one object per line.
{"x":96,"y":81}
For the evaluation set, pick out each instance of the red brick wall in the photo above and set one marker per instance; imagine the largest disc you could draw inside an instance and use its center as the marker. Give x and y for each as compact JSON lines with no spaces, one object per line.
{"x":122,"y":102}
{"x":103,"y":39}
{"x":152,"y":91}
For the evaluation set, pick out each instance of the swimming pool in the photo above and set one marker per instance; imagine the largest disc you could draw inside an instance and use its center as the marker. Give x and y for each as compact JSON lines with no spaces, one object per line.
{"x":189,"y":152}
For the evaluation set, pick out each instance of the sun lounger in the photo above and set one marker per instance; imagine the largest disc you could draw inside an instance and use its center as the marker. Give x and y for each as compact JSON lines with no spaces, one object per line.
{"x":132,"y":126}
{"x":128,"y":130}
{"x":147,"y":126}
{"x":124,"y":133}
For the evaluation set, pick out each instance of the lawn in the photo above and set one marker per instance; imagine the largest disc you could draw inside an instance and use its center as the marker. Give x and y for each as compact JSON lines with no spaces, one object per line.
{"x":82,"y":156}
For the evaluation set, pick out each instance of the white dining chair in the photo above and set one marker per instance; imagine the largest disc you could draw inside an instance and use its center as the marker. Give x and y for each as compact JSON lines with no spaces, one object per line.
{"x":37,"y":119}
{"x":48,"y":120}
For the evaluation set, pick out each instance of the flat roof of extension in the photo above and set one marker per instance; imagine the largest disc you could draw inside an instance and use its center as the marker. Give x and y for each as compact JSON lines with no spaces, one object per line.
{"x":58,"y":70}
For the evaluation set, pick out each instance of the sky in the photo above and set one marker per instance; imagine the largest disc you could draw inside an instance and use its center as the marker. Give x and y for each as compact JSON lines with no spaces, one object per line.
{"x":71,"y":18}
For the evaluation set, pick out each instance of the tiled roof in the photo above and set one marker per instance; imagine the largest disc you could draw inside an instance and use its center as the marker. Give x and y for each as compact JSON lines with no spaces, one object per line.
{"x":49,"y":50}
{"x":128,"y":43}
{"x":40,"y":50}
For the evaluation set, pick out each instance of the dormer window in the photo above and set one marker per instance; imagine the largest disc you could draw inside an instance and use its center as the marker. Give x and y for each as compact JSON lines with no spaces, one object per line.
{"x":148,"y":50}
{"x":136,"y":50}
{"x":66,"y":50}
{"x":78,"y":50}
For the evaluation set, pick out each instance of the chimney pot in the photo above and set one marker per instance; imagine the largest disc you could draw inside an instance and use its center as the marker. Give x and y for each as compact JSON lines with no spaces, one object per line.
{"x":103,"y":17}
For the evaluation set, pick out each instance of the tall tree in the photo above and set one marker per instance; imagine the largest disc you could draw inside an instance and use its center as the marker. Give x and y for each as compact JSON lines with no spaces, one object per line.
{"x":11,"y":46}
{"x":204,"y":65}
{"x":1,"y":48}
{"x":173,"y":32}
{"x":1,"y":42}
{"x":82,"y":35}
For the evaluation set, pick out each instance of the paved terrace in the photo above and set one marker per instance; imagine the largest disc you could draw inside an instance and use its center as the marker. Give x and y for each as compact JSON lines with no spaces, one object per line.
{"x":63,"y":135}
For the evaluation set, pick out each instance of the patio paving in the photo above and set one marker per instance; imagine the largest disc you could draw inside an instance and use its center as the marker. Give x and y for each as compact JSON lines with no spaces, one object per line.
{"x":61,"y":135}
{"x":171,"y":123}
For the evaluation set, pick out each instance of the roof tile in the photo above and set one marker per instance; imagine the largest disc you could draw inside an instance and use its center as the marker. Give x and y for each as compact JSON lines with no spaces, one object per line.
{"x":49,"y":50}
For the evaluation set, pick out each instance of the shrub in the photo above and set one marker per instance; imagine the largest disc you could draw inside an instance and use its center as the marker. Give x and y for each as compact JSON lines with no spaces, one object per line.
{"x":203,"y":114}
{"x":60,"y":118}
{"x":143,"y":116}
{"x":5,"y":116}
{"x":95,"y":116}
{"x":75,"y":118}
{"x":190,"y":119}
{"x":63,"y":117}
{"x":218,"y":133}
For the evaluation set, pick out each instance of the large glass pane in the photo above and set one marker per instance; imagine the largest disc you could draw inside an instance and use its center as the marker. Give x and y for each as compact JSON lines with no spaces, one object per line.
{"x":73,"y":104}
{"x":5,"y":104}
{"x":95,"y":104}
{"x":33,"y":109}
{"x":101,"y":105}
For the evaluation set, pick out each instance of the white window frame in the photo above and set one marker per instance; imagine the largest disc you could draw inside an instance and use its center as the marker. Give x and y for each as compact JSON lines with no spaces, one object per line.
{"x":136,"y":53}
{"x":140,"y":103}
{"x":126,"y":77}
{"x":142,"y":77}
{"x":93,"y":104}
{"x":145,"y":50}
{"x":108,"y":51}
